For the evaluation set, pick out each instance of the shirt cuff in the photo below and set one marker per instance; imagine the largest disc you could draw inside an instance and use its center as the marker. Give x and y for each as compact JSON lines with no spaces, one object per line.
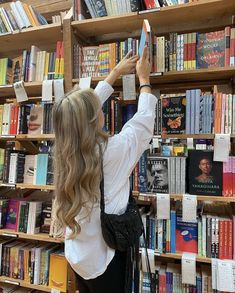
{"x":104,"y":90}
{"x":147,"y":102}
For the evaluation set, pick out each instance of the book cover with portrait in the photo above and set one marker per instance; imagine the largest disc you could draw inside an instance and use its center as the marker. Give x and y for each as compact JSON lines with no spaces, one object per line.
{"x":204,"y":174}
{"x":35,"y":121}
{"x":173,"y":115}
{"x":158,"y":174}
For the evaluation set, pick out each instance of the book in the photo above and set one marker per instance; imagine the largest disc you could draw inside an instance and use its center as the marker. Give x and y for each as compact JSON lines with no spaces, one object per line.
{"x":204,"y":175}
{"x":145,"y":38}
{"x":173,"y":115}
{"x":157,"y":174}
{"x":35,"y":121}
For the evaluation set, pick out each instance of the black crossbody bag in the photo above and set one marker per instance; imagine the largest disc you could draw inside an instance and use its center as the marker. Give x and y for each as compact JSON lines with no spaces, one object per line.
{"x":122,"y":232}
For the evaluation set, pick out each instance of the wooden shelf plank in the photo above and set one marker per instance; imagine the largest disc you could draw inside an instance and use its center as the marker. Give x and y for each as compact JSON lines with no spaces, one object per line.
{"x":33,"y":88}
{"x":35,"y":137}
{"x":37,"y":237}
{"x":146,"y":197}
{"x":24,"y":284}
{"x":40,"y":36}
{"x":32,"y":186}
{"x":179,"y":256}
{"x":179,"y":77}
{"x":178,"y":18}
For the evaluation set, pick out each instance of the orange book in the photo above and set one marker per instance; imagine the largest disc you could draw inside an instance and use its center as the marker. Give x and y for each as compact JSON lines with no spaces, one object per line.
{"x":58,"y":272}
{"x":28,"y":12}
{"x":57,"y":60}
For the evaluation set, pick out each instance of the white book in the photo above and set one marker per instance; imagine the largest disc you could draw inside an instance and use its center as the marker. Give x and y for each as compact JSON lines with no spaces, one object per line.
{"x":7,"y":19}
{"x":29,"y":169}
{"x":17,"y":16}
{"x":13,"y":168}
{"x":230,"y":112}
{"x":233,"y":119}
{"x":128,"y":6}
{"x":38,"y":58}
{"x":6,"y":119}
{"x":42,"y":65}
{"x":108,"y":7}
{"x":37,"y":265}
{"x":32,"y":62}
{"x":23,"y":14}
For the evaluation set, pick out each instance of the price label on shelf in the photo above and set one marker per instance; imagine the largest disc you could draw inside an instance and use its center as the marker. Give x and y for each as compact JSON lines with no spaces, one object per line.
{"x":54,"y":290}
{"x":47,"y":91}
{"x":163,"y":206}
{"x":21,"y":95}
{"x":188,"y":267}
{"x":189,"y":208}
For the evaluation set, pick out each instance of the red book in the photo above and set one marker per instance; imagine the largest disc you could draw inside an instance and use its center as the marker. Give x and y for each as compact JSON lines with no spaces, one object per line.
{"x":150,"y":4}
{"x":221,"y":239}
{"x":225,"y":239}
{"x":186,"y":236}
{"x":233,"y":174}
{"x":233,"y":237}
{"x":225,"y":178}
{"x":230,"y":239}
{"x":227,"y":45}
{"x":12,"y":112}
{"x":16,"y":118}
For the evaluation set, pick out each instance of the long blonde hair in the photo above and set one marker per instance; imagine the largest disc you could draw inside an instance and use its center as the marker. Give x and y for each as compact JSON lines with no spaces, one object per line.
{"x":78,"y":137}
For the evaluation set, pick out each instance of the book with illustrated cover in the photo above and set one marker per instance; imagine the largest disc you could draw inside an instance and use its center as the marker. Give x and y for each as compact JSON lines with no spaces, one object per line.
{"x":204,"y":174}
{"x":173,"y":115}
{"x":211,"y":49}
{"x":186,"y":236}
{"x":158,"y":174}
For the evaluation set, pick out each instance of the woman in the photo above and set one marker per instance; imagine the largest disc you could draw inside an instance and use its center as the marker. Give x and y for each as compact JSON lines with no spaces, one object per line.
{"x":78,"y":122}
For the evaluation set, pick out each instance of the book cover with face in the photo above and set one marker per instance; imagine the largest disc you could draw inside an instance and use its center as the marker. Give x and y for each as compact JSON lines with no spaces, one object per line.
{"x":35,"y":121}
{"x":157,"y":174}
{"x":205,"y":175}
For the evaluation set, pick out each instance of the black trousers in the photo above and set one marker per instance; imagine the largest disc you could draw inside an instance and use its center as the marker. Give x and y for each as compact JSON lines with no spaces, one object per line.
{"x":111,"y":281}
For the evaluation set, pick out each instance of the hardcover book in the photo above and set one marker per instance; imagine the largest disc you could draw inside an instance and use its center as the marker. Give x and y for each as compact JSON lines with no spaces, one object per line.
{"x":204,"y":175}
{"x":145,"y":38}
{"x":211,"y":49}
{"x":186,"y":236}
{"x":173,"y":115}
{"x":157,"y":174}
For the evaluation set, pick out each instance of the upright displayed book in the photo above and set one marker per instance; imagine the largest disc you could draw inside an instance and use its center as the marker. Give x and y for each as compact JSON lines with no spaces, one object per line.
{"x":145,"y":38}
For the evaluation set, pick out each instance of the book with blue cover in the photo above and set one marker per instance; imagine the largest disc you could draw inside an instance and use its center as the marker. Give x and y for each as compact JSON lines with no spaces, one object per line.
{"x":145,"y":38}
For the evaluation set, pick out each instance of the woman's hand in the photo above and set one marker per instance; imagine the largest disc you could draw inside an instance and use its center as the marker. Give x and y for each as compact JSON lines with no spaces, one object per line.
{"x":125,"y":66}
{"x":143,"y":67}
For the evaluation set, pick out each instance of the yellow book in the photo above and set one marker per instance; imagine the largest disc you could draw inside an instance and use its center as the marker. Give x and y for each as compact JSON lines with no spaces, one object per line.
{"x":58,"y":272}
{"x":61,"y":67}
{"x":57,"y":59}
{"x":28,"y":12}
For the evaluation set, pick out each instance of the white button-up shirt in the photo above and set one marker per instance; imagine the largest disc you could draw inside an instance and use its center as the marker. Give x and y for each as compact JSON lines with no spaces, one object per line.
{"x":88,"y":254}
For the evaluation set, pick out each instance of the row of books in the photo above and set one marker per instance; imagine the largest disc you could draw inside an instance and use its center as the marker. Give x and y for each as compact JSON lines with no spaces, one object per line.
{"x":173,"y":53}
{"x":158,"y":174}
{"x":32,"y":119}
{"x":109,"y":8}
{"x":167,"y":278}
{"x":38,"y":264}
{"x":22,"y":215}
{"x":165,"y":175}
{"x":197,"y":113}
{"x":18,"y":167}
{"x":194,"y":112}
{"x":19,"y":15}
{"x":33,"y":65}
{"x":210,"y":236}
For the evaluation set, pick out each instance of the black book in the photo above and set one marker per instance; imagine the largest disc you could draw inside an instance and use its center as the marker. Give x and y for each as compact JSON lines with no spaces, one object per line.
{"x":204,"y":175}
{"x":158,"y":174}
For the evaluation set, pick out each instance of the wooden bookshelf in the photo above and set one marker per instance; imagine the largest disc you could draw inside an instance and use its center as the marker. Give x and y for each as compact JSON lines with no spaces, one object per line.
{"x":24,"y":284}
{"x":146,"y":197}
{"x":32,"y":88}
{"x":179,"y":256}
{"x":32,"y":186}
{"x":40,"y":36}
{"x":178,"y":78}
{"x":37,"y":237}
{"x":184,"y":18}
{"x":194,"y":136}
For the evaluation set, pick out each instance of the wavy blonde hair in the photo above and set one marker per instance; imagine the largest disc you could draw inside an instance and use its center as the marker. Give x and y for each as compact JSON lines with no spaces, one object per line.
{"x":78,"y":139}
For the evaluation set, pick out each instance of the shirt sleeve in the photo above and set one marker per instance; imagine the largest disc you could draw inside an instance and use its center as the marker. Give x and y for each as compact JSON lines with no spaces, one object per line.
{"x":104,"y":90}
{"x":124,"y":149}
